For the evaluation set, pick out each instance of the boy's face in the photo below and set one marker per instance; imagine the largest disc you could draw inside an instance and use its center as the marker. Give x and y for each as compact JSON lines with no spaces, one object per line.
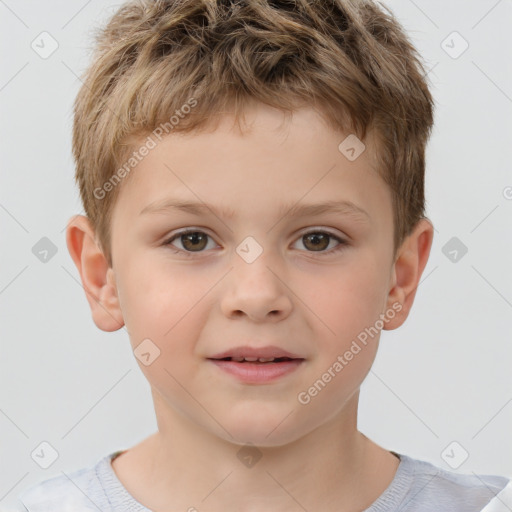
{"x":200,"y":296}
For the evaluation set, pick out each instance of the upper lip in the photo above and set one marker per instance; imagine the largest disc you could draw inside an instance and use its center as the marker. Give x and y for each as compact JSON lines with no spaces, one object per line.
{"x":264,"y":352}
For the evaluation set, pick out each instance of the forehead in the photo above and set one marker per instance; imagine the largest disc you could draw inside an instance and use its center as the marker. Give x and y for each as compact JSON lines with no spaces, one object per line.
{"x":272,"y":160}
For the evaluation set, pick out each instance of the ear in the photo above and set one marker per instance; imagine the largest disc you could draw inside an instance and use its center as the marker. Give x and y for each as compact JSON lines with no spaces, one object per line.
{"x":97,"y":277}
{"x":410,"y":262}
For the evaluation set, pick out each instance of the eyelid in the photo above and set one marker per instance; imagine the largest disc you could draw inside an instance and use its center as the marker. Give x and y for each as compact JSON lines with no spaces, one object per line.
{"x":322,"y":229}
{"x":193,"y":229}
{"x":180,"y":232}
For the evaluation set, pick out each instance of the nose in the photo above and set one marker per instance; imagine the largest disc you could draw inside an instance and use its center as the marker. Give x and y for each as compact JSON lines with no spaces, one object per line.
{"x":256,"y":290}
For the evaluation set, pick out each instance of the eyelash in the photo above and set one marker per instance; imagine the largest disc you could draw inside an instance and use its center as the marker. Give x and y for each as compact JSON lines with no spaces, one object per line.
{"x":341,"y":246}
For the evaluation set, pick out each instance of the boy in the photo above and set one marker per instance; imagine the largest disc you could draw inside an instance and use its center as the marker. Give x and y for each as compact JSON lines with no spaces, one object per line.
{"x":311,"y":238}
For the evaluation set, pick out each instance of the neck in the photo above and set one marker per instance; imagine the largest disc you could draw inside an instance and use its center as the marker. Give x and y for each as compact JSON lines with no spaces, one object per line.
{"x":184,"y":467}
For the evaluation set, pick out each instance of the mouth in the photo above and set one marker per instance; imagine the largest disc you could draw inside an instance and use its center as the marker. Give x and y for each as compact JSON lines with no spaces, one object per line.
{"x":258,"y":360}
{"x":257,"y":365}
{"x":251,"y":354}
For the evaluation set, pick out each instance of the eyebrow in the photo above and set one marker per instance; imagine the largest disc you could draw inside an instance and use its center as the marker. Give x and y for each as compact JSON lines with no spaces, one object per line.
{"x":344,"y":207}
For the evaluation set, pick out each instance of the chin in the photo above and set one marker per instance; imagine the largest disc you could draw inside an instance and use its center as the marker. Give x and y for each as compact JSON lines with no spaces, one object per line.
{"x":259,"y":429}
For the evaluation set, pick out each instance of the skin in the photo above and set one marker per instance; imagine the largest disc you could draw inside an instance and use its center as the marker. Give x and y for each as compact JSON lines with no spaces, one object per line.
{"x":311,"y":302}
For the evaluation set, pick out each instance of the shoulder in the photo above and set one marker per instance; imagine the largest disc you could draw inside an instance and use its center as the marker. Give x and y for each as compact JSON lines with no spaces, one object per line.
{"x":434,"y":488}
{"x":78,"y":491}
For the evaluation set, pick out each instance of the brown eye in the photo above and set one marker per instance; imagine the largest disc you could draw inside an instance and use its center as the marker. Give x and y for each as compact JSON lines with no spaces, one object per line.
{"x":317,"y":241}
{"x":194,"y":241}
{"x":320,"y":241}
{"x":191,"y":241}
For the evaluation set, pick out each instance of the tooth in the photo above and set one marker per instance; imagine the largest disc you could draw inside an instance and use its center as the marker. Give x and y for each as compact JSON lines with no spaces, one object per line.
{"x":237,"y":359}
{"x":251,"y":359}
{"x":265,"y":359}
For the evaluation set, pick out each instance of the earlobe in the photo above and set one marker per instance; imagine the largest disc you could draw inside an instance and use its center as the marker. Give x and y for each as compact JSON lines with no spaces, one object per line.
{"x":97,"y":277}
{"x":408,"y":268}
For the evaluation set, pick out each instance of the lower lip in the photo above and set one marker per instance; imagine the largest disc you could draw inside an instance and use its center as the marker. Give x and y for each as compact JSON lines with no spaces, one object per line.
{"x":258,"y":373}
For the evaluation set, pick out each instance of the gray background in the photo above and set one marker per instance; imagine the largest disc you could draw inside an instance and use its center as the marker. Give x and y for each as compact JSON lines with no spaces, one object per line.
{"x":443,"y":377}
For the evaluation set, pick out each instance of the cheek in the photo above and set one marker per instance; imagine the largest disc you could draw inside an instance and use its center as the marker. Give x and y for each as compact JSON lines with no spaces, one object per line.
{"x":164,"y":307}
{"x":171,"y":312}
{"x":168,"y":310}
{"x":347,"y":340}
{"x":347,"y":300}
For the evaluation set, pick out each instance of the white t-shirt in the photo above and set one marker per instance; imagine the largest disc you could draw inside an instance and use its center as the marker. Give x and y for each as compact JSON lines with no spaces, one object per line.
{"x":418,"y":486}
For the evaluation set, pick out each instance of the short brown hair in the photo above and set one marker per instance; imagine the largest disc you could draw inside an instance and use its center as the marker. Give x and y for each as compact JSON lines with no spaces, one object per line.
{"x":350,"y":59}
